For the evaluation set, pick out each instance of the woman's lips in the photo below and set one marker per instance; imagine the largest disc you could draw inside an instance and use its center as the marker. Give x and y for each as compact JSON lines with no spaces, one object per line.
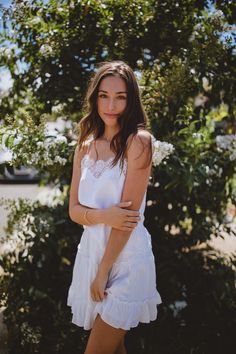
{"x":111,"y":115}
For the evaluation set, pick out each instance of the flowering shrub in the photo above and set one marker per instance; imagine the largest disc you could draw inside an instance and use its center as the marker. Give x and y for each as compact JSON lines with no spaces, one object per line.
{"x":49,"y":151}
{"x":37,"y":236}
{"x":37,"y":254}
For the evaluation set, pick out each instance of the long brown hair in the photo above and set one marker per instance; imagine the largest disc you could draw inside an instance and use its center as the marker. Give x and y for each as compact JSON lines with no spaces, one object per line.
{"x":132,"y":119}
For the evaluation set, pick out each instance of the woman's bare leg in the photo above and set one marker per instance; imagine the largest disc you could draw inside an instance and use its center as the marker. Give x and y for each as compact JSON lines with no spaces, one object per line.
{"x":121,"y":349}
{"x":104,"y":339}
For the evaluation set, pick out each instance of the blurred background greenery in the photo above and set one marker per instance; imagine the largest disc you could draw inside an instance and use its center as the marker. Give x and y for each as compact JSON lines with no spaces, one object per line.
{"x":183,"y":53}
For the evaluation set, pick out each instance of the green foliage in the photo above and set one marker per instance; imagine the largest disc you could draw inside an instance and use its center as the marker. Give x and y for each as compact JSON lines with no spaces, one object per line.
{"x":198,"y":313}
{"x":53,"y":40}
{"x":41,"y":242}
{"x":32,"y":145}
{"x":187,"y":78}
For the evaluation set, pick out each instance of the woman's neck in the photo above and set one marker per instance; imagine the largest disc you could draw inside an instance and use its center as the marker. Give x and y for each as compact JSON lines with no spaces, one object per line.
{"x":108,"y":135}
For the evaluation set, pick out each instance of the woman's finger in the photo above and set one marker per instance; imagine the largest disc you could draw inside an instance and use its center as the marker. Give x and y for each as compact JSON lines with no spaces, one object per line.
{"x":124,"y":204}
{"x":99,"y":298}
{"x":132,"y":219}
{"x":132,"y":213}
{"x":130,"y":224}
{"x":125,"y":228}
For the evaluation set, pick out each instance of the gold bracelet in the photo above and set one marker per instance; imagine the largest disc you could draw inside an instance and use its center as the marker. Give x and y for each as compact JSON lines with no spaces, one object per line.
{"x":85,"y":217}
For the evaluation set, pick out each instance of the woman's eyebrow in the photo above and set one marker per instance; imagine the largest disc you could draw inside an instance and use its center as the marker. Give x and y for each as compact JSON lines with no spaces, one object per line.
{"x":116,"y":92}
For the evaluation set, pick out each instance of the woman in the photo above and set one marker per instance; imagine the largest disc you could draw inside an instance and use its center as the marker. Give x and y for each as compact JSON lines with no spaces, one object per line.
{"x":114,"y":279}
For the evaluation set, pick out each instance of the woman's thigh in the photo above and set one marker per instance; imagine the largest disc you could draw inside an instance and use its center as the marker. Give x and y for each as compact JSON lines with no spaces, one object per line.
{"x":104,"y":339}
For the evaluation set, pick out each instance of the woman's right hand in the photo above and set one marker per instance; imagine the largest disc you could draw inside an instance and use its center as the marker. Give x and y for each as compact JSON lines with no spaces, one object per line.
{"x":120,"y":218}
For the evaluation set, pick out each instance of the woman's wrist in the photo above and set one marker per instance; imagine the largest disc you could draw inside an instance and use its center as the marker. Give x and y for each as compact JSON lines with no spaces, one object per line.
{"x":95,"y":216}
{"x":85,"y":217}
{"x":104,"y":268}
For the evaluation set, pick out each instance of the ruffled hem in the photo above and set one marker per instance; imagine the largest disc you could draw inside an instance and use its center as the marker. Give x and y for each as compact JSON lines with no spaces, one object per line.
{"x":131,"y":298}
{"x":116,"y":313}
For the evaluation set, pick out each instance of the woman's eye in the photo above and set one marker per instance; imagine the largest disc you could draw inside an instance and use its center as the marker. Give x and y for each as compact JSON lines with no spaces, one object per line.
{"x":122,"y":97}
{"x":102,"y":95}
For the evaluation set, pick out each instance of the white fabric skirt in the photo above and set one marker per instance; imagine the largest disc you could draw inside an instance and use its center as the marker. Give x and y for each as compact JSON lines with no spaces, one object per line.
{"x":132,"y":296}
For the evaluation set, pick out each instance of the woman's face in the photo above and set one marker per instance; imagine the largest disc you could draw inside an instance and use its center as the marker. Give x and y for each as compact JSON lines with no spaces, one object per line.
{"x":112,"y":99}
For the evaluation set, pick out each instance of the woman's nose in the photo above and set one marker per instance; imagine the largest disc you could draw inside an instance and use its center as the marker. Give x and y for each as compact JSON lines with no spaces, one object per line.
{"x":111,"y":104}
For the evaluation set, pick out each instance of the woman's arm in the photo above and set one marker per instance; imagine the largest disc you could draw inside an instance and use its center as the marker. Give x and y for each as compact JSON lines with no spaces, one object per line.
{"x":116,"y":216}
{"x":135,"y":185}
{"x":77,"y":210}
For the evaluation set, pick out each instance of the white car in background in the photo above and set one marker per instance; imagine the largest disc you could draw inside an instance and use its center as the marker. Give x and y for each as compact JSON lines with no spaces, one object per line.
{"x":15,"y":174}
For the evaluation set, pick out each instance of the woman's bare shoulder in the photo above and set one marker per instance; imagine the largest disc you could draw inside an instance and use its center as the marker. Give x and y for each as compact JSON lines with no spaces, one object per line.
{"x":83,"y":149}
{"x":140,"y":139}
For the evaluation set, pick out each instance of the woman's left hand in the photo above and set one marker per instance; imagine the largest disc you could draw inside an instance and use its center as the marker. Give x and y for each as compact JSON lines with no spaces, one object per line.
{"x":97,"y":288}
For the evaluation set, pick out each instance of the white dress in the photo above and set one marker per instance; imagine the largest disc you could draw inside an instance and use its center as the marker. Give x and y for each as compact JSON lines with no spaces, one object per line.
{"x":132,"y":296}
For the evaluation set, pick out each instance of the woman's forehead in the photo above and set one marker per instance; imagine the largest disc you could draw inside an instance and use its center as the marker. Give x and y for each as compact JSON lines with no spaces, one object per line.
{"x":113,"y":84}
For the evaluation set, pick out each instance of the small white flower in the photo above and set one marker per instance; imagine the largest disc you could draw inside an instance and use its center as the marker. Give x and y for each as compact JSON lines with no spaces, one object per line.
{"x":49,"y":162}
{"x":220,"y":172}
{"x":37,"y":82}
{"x":61,"y":139}
{"x":58,"y":108}
{"x":200,"y":100}
{"x":6,"y":52}
{"x":35,"y":20}
{"x":228,"y":143}
{"x":161,"y":150}
{"x":177,"y":306}
{"x":5,"y":156}
{"x":192,"y":36}
{"x":39,"y":143}
{"x":60,"y":160}
{"x":233,"y":156}
{"x":214,"y":171}
{"x":72,"y":143}
{"x":45,"y":49}
{"x":218,"y":14}
{"x":198,"y":26}
{"x":196,"y":135}
{"x":17,"y":140}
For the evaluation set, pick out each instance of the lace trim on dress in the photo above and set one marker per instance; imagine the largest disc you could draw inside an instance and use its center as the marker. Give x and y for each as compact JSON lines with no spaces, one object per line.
{"x":98,"y":167}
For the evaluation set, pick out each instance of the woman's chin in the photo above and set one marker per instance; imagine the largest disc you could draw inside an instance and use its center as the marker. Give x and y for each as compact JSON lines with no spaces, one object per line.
{"x":111,"y":121}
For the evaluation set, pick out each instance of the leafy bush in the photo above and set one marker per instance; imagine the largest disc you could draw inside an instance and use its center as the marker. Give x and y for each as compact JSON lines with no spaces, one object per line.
{"x":40,"y":246}
{"x":185,"y":72}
